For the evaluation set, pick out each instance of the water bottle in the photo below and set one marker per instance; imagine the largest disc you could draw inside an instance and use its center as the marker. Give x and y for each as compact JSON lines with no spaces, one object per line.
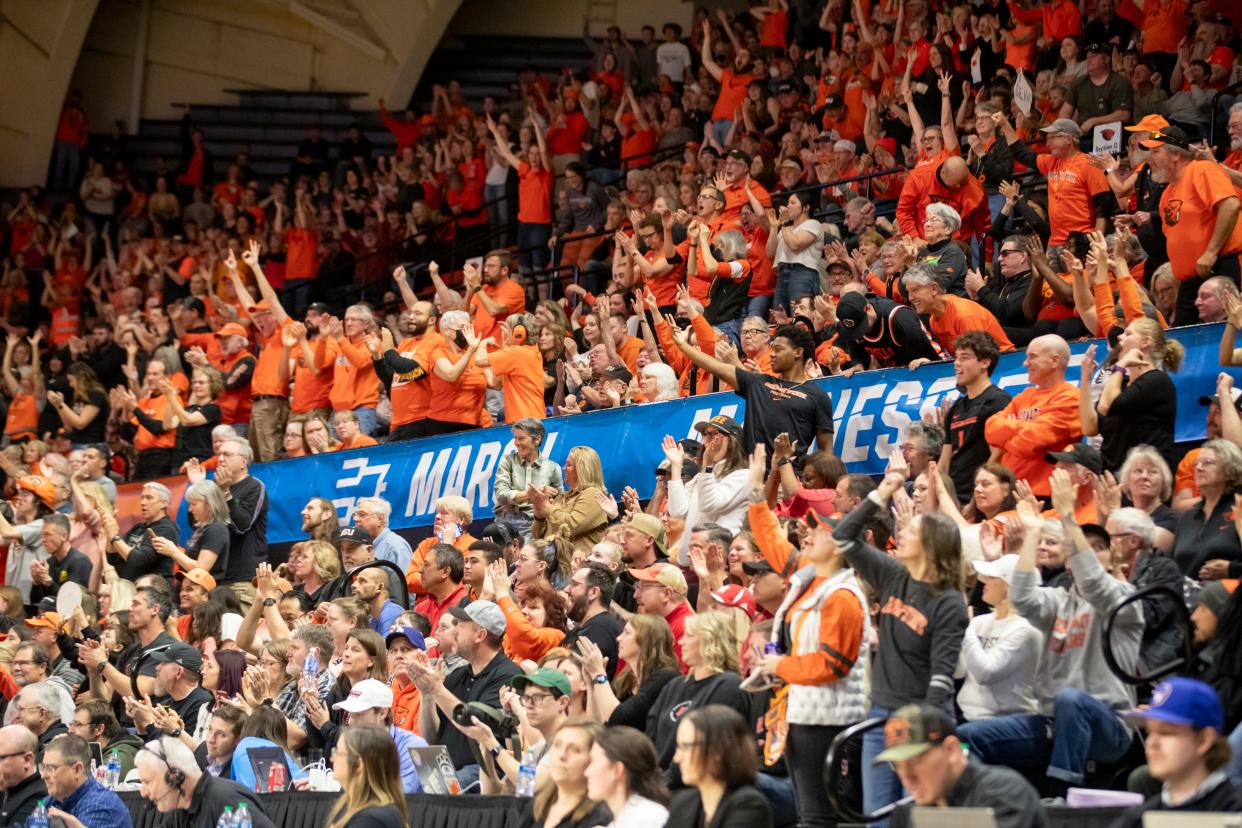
{"x":226,"y":818}
{"x":242,"y":819}
{"x":38,"y":817}
{"x":113,"y":775}
{"x":310,"y":671}
{"x":526,"y":774}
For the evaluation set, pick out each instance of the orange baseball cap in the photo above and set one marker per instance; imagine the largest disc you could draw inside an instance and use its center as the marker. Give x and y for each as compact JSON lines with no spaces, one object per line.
{"x":48,"y":620}
{"x":262,"y":306}
{"x":1149,"y":123}
{"x":40,"y":487}
{"x":233,"y":329}
{"x":201,"y":577}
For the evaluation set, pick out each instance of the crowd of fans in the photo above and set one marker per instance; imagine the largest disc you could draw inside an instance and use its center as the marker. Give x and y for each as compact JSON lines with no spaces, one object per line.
{"x":723,"y":196}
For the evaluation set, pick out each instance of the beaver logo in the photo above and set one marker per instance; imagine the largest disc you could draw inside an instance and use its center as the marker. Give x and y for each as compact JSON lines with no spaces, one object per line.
{"x":1173,"y":212}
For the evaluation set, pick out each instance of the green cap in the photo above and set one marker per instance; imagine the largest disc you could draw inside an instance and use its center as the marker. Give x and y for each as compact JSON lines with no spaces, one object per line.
{"x":544,"y":677}
{"x":913,"y":730}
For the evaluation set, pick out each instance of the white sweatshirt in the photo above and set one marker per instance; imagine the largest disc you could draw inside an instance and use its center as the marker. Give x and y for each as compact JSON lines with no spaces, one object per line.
{"x":999,"y":657}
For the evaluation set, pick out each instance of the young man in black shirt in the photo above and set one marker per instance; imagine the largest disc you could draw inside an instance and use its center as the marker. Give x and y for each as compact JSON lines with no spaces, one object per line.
{"x":965,"y":449}
{"x":881,"y":333}
{"x":787,"y":403}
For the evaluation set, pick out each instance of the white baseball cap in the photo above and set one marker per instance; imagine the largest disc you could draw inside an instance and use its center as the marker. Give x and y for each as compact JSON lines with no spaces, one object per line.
{"x":366,"y":695}
{"x":1003,"y":568}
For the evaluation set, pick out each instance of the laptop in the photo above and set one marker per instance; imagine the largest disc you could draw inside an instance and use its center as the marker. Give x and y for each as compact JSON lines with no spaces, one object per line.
{"x":261,"y":761}
{"x":435,"y":770}
{"x":953,"y":817}
{"x":1190,"y":819}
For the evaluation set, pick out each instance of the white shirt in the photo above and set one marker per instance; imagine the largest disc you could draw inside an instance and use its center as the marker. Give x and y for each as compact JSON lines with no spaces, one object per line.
{"x":640,"y":812}
{"x":672,"y":60}
{"x":808,"y":256}
{"x":999,"y":657}
{"x":709,"y":499}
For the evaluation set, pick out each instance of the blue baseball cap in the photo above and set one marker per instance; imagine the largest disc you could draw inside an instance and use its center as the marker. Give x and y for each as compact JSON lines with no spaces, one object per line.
{"x":1183,"y":701}
{"x":409,"y":634}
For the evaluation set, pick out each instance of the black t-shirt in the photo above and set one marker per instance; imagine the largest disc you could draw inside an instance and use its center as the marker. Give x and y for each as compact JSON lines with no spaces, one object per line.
{"x":966,"y":421}
{"x":142,"y":555}
{"x":187,"y":709}
{"x":213,"y":537}
{"x":96,"y":430}
{"x":773,"y":406}
{"x":634,"y":709}
{"x":1200,"y":538}
{"x":898,"y":338}
{"x":1144,"y":412}
{"x":376,"y":816}
{"x":602,"y":630}
{"x":195,"y":441}
{"x":75,"y":567}
{"x":467,"y":687}
{"x":680,"y":696}
{"x":133,"y":654}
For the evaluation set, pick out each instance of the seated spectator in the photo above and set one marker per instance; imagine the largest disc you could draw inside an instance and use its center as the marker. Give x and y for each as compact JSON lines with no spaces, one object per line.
{"x":367,"y":767}
{"x":172,"y":781}
{"x":1000,"y":650}
{"x":370,"y":703}
{"x":22,"y":783}
{"x":716,"y":759}
{"x":661,"y":590}
{"x":1205,"y":535}
{"x":94,"y":721}
{"x":645,"y":647}
{"x":574,"y":519}
{"x":624,"y":774}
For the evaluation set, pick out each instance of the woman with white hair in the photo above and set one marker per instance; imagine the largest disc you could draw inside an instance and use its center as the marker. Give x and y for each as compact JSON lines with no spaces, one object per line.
{"x":457,"y":384}
{"x":724,"y":260}
{"x":1145,"y":482}
{"x":659,"y":382}
{"x":940,"y":223}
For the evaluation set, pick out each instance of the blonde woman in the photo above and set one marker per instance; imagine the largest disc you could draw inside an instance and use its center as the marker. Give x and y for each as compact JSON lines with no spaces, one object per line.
{"x":574,"y":519}
{"x":366,"y":765}
{"x":92,"y":512}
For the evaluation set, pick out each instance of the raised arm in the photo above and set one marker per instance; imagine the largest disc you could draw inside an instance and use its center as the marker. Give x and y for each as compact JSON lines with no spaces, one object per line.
{"x":947,"y":125}
{"x":251,"y":258}
{"x":723,"y":371}
{"x":710,"y":65}
{"x":502,"y":146}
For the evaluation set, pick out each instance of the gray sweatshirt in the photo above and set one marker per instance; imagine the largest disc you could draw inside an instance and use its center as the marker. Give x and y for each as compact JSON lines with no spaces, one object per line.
{"x":1072,"y":622}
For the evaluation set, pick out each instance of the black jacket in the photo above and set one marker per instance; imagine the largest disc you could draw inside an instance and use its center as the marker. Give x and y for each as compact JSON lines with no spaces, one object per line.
{"x":1012,"y":799}
{"x":20,"y":800}
{"x":247,"y":500}
{"x":742,"y":807}
{"x":1223,"y":798}
{"x":211,"y":795}
{"x":1162,"y":637}
{"x":1004,"y":298}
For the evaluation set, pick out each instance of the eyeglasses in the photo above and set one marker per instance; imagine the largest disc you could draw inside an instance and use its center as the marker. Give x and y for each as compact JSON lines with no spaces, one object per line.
{"x":48,"y":767}
{"x":535,"y":699}
{"x":1009,"y":251}
{"x":23,"y":663}
{"x":752,"y":331}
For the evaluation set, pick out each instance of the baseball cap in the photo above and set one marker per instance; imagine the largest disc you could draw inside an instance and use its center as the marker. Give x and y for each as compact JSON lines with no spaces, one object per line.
{"x":1215,"y":595}
{"x":1234,"y":393}
{"x":732,"y":595}
{"x":1084,"y":455}
{"x":722,"y":423}
{"x":889,"y":144}
{"x":616,"y":372}
{"x":409,"y":634}
{"x":833,"y":101}
{"x":553,"y":680}
{"x":650,"y":526}
{"x":837,"y":264}
{"x":851,"y":317}
{"x":785,"y":87}
{"x":1003,"y":568}
{"x":261,"y":306}
{"x":814,"y":518}
{"x":1099,"y":48}
{"x":1149,"y":123}
{"x":195,"y":304}
{"x":1183,"y":701}
{"x":792,"y":163}
{"x":826,"y":135}
{"x":40,"y":487}
{"x":845,"y":144}
{"x":1170,"y":135}
{"x":738,"y":155}
{"x":367,"y":694}
{"x":1063,"y":126}
{"x":201,"y":577}
{"x":484,"y":613}
{"x":499,"y":532}
{"x":663,"y":574}
{"x":913,"y":730}
{"x":183,"y":655}
{"x":48,"y":621}
{"x":356,"y":534}
{"x":233,"y":329}
{"x":319,"y":307}
{"x":1096,"y":529}
{"x":757,"y":568}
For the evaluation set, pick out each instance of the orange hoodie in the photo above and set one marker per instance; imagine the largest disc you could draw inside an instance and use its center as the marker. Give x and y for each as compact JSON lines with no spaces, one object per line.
{"x":522,"y":639}
{"x":1034,"y":423}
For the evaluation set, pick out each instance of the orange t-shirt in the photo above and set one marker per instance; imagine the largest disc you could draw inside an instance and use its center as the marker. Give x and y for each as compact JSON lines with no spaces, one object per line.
{"x":638,"y":144}
{"x":509,"y":293}
{"x":361,"y":441}
{"x":1072,"y":184}
{"x":735,"y":197}
{"x":153,"y":407}
{"x":772,"y":32}
{"x":520,"y":369}
{"x":235,"y":403}
{"x":1164,"y":25}
{"x":1021,"y":55}
{"x":411,"y":393}
{"x":732,"y":92}
{"x":354,"y":384}
{"x":664,"y":288}
{"x":1185,"y":478}
{"x":461,"y":401}
{"x":1187,"y":211}
{"x":66,"y":323}
{"x":1034,"y":423}
{"x":22,"y":421}
{"x":1234,"y":162}
{"x":629,"y":351}
{"x":312,"y":384}
{"x":534,"y":195}
{"x":962,"y":315}
{"x":267,"y":381}
{"x":301,"y":254}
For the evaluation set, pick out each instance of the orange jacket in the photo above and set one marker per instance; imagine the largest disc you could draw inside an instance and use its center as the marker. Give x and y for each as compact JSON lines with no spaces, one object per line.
{"x":705,"y":336}
{"x":522,"y":640}
{"x":406,"y":701}
{"x":923,"y":187}
{"x":1034,"y":423}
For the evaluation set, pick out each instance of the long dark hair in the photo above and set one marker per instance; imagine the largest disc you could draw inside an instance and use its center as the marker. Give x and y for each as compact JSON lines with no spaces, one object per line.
{"x":205,"y":622}
{"x":266,"y":722}
{"x":725,"y":745}
{"x":635,"y":751}
{"x":87,"y":382}
{"x":232,"y":665}
{"x":374,"y":645}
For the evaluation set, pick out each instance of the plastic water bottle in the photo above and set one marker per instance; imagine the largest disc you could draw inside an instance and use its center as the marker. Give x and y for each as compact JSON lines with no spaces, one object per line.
{"x":38,"y":817}
{"x":226,"y":819}
{"x":526,"y":774}
{"x":113,"y":775}
{"x":242,"y":819}
{"x":310,"y":671}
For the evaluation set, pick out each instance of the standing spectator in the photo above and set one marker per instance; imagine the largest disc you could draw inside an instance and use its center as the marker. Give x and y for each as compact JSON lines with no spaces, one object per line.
{"x":573,"y":520}
{"x":965,"y":447}
{"x":517,"y":368}
{"x":86,"y":419}
{"x":1041,"y":419}
{"x":534,"y":213}
{"x":1101,"y":96}
{"x":72,"y":136}
{"x":796,"y":245}
{"x":717,"y":494}
{"x":355,"y":387}
{"x":1199,"y":212}
{"x":673,"y":56}
{"x":247,"y":504}
{"x":950,"y":316}
{"x":63,"y":564}
{"x":733,"y":81}
{"x":521,"y":469}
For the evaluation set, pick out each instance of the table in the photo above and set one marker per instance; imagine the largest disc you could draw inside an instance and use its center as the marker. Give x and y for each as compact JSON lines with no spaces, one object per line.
{"x":310,"y":809}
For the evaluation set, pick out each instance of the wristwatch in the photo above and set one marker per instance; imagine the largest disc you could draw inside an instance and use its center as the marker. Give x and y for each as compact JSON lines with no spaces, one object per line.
{"x":269,"y":602}
{"x":602,"y":678}
{"x":175,"y":733}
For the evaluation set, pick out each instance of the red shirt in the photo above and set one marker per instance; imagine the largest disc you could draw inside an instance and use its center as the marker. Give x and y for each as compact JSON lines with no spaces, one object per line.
{"x":677,"y":623}
{"x":534,"y":195}
{"x":433,"y":609}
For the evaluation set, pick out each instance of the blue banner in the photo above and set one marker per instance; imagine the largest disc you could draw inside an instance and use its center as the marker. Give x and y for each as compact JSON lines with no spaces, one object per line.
{"x":870,"y":410}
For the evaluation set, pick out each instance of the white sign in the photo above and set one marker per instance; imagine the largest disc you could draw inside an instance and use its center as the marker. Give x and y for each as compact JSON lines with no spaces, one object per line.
{"x":1023,"y":95}
{"x":976,"y":68}
{"x":1107,"y":138}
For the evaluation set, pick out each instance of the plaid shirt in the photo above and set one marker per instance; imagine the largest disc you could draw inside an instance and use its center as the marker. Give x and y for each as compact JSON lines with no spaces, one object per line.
{"x":290,"y":703}
{"x":514,"y":475}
